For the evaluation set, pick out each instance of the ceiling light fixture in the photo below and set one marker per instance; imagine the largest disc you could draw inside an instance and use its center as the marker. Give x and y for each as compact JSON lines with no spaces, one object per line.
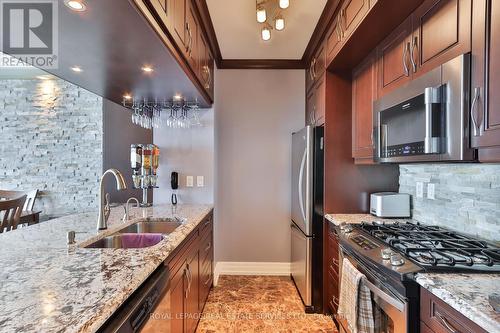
{"x":261,"y":14}
{"x":76,"y":5}
{"x":266,"y":32}
{"x":284,"y":4}
{"x":279,"y":23}
{"x":127,"y":97}
{"x":77,"y":69}
{"x":147,"y":69}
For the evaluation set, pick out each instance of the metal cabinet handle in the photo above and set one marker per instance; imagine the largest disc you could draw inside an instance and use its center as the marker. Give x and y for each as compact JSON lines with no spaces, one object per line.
{"x":476,"y":126}
{"x":208,"y":280}
{"x":209,"y":79}
{"x":405,"y":54}
{"x":446,"y":323}
{"x":186,"y":291}
{"x":188,"y":47}
{"x":337,"y":30}
{"x":311,"y":71}
{"x":343,"y":18}
{"x":412,"y":50}
{"x":208,"y":247}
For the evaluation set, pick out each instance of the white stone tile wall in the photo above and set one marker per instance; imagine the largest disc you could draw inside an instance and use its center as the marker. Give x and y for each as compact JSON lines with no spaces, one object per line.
{"x":467,"y":196}
{"x":51,"y":139}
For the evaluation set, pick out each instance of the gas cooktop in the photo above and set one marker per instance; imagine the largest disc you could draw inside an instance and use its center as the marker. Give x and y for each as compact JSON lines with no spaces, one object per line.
{"x":435,"y":248}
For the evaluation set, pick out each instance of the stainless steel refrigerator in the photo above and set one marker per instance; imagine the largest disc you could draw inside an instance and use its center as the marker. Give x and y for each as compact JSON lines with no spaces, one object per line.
{"x":307,"y":216}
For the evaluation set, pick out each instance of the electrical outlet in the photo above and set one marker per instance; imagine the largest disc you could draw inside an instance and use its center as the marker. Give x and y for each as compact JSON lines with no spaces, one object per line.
{"x":420,"y":190}
{"x":431,"y":191}
{"x":200,"y":181}
{"x":189,"y":181}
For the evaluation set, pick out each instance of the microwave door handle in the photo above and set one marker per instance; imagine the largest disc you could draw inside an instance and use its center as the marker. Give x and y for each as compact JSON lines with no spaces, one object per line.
{"x":386,"y":297}
{"x":301,"y":180}
{"x":432,"y":96}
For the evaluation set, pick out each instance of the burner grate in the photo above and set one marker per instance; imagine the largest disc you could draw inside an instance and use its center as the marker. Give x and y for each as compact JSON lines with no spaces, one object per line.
{"x":435,"y":247}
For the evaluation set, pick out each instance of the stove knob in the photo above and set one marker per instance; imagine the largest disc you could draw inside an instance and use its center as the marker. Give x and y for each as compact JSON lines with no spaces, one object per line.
{"x":397,"y":260}
{"x":348,"y":228}
{"x":386,"y":253}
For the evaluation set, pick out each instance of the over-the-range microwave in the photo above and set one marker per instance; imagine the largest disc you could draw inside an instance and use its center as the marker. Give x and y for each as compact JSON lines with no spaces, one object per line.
{"x":428,"y":118}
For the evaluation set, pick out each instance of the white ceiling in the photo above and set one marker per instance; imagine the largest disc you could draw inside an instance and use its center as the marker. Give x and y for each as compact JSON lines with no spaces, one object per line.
{"x":238,"y":31}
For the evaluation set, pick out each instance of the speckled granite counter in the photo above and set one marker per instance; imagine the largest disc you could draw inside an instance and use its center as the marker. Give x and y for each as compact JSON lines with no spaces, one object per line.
{"x":48,"y":286}
{"x":468,"y":294}
{"x":337,"y":219}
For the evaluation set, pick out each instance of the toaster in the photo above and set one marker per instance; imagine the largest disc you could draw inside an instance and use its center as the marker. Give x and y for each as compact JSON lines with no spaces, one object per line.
{"x":390,"y":204}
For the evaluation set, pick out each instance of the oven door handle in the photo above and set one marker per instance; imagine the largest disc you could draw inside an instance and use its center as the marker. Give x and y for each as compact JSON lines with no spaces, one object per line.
{"x":383,"y":295}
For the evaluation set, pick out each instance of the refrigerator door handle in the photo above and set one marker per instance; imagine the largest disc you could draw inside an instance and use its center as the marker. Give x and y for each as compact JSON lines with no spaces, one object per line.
{"x":301,"y":179}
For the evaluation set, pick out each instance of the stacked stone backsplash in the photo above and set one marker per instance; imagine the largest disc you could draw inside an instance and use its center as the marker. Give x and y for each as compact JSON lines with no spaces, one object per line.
{"x":51,"y":140}
{"x":467,"y":196}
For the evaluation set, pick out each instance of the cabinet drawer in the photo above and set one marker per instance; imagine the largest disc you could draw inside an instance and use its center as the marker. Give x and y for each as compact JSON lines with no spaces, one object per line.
{"x":206,"y":245}
{"x":442,"y":318}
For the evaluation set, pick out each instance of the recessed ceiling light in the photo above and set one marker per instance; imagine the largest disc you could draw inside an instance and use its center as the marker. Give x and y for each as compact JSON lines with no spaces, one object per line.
{"x":147,"y":69}
{"x":76,"y":5}
{"x":127,"y":96}
{"x":43,"y":77}
{"x":77,"y":69}
{"x":177,"y":97}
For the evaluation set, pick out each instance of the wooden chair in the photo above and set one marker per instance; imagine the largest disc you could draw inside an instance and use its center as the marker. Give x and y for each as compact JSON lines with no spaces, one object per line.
{"x":10,"y":212}
{"x":30,"y":197}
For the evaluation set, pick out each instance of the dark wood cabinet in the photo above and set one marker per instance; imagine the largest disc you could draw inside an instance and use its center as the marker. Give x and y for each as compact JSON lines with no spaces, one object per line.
{"x":485,"y":108}
{"x":192,"y":38}
{"x":191,"y":277}
{"x":393,"y":59}
{"x":178,"y":25}
{"x":364,"y":92}
{"x":315,"y":103}
{"x":334,"y":40}
{"x":441,"y":32}
{"x":351,"y":14}
{"x":332,"y":270}
{"x":438,"y":317}
{"x":316,"y":68}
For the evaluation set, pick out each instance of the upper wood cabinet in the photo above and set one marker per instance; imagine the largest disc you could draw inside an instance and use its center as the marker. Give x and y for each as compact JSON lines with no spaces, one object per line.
{"x":334,"y":40}
{"x":316,"y":103}
{"x":442,"y":31}
{"x":364,"y":85}
{"x":192,"y":38}
{"x":438,"y":31}
{"x":178,"y":25}
{"x":393,"y":59}
{"x":316,"y":67}
{"x":351,"y":14}
{"x":485,"y":108}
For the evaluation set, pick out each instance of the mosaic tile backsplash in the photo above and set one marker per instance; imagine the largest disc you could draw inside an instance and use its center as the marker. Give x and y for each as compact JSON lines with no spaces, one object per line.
{"x":467,"y":196}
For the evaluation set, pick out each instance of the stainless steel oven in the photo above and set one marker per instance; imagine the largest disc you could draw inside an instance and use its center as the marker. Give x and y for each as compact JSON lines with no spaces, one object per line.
{"x":391,"y":310}
{"x":428,"y":118}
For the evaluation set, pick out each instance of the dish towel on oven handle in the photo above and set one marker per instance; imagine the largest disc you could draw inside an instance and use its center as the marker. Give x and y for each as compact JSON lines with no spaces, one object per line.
{"x":355,"y":304}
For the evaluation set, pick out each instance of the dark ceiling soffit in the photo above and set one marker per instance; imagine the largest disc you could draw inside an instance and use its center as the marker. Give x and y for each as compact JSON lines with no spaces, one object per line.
{"x":261,"y":64}
{"x":319,"y":31}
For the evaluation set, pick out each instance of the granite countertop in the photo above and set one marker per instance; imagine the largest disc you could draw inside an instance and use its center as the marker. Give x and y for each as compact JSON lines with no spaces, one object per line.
{"x":468,"y":294}
{"x":48,"y":286}
{"x":337,"y":219}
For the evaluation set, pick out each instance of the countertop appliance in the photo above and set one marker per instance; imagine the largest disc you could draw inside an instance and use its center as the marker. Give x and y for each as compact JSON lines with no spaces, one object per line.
{"x":390,"y":254}
{"x":428,"y":118}
{"x":307,"y":216}
{"x":390,"y":204}
{"x":147,"y":310}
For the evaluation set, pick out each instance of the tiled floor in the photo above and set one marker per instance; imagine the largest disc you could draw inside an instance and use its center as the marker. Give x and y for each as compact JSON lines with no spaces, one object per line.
{"x":258,"y":304}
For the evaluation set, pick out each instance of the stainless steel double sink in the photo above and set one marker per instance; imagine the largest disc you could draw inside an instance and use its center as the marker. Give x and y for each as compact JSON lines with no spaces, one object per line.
{"x":135,"y":233}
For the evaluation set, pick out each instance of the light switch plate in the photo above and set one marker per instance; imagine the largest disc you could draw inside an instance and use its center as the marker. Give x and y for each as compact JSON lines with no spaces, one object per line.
{"x":420,"y":190}
{"x":189,"y":181}
{"x":200,"y":181}
{"x":431,"y":191}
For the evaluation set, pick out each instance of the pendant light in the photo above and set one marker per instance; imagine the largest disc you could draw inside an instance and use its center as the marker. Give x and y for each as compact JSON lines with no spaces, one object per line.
{"x":261,"y":14}
{"x":266,"y":32}
{"x":279,"y":23}
{"x":284,"y":4}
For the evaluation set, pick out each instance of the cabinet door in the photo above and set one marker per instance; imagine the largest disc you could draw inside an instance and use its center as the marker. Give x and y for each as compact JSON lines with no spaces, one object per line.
{"x":364,"y":91}
{"x":442,"y":31}
{"x":177,"y":296}
{"x":394,"y":59}
{"x":202,"y":60}
{"x":310,"y":107}
{"x":162,"y":9}
{"x":485,"y":110}
{"x":192,"y":297}
{"x":179,"y":23}
{"x":191,"y":38}
{"x":319,"y":65}
{"x":351,"y":14}
{"x":310,"y":75}
{"x":334,"y":40}
{"x":320,"y":100}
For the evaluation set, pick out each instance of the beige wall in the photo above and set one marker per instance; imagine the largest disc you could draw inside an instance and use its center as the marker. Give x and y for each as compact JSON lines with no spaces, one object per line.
{"x":255,"y":113}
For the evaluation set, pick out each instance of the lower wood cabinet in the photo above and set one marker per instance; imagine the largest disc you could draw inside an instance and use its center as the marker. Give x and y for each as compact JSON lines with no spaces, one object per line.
{"x":191,"y":269}
{"x":364,"y":93}
{"x":332,"y":271}
{"x":438,"y":317}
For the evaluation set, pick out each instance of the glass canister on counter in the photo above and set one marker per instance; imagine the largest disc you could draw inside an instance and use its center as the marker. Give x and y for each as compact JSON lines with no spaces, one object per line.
{"x":136,"y":163}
